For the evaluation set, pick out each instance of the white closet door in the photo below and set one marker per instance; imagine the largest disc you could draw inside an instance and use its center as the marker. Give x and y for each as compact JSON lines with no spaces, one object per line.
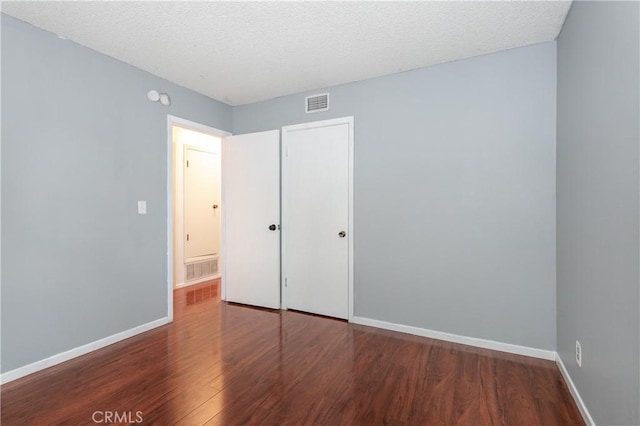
{"x":202,"y":193}
{"x":251,"y":209}
{"x":316,"y":230}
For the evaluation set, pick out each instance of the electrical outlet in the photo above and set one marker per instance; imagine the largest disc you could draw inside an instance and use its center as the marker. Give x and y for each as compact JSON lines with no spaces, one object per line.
{"x":578,"y":353}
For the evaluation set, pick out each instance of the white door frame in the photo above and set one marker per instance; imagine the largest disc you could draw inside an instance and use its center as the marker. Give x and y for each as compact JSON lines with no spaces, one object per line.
{"x":192,"y":125}
{"x":284,"y":190}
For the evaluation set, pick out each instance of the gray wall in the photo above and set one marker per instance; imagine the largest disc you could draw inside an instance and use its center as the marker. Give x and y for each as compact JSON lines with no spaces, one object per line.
{"x":454,"y":193}
{"x":80,"y":145}
{"x":598,"y":206}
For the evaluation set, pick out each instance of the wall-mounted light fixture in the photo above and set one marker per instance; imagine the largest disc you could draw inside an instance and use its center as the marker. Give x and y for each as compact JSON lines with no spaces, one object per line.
{"x":154,"y":96}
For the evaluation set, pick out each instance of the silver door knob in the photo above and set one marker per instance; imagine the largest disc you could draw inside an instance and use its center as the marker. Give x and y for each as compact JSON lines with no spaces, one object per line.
{"x":342,"y":234}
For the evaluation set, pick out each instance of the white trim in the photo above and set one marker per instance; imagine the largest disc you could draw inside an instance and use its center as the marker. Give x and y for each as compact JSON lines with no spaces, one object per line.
{"x":574,"y":392}
{"x":351,"y":211}
{"x":79,"y":351}
{"x":198,"y":281}
{"x":171,"y":121}
{"x":192,"y":125}
{"x":223,"y":225}
{"x":456,"y":338}
{"x":284,"y":190}
{"x":170,"y":217}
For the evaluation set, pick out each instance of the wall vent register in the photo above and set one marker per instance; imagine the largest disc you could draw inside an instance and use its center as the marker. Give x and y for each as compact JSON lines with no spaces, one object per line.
{"x":201,"y":269}
{"x":317,"y":103}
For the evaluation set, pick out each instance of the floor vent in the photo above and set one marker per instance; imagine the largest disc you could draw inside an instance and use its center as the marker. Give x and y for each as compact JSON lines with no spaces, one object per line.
{"x":201,"y":294}
{"x":316,"y":103}
{"x":201,"y":269}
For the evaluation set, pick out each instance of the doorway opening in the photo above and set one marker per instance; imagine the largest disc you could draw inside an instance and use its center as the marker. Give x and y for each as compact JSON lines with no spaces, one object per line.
{"x":194,"y":187}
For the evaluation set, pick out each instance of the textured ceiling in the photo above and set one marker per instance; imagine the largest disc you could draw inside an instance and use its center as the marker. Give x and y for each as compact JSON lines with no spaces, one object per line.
{"x":242,"y":52}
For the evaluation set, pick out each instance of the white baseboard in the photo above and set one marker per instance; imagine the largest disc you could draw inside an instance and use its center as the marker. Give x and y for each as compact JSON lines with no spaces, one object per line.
{"x":455,"y":338}
{"x":198,"y":281}
{"x":80,"y":350}
{"x":574,"y":392}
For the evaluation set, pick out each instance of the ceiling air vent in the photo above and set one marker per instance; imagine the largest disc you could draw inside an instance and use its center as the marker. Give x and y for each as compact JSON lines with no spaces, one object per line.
{"x":316,"y":103}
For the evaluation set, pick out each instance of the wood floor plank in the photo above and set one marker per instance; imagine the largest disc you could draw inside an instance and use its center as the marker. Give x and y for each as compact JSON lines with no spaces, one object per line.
{"x":226,"y":364}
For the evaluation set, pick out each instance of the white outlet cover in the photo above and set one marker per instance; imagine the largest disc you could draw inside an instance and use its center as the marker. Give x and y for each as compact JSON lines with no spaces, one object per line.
{"x":142,"y":207}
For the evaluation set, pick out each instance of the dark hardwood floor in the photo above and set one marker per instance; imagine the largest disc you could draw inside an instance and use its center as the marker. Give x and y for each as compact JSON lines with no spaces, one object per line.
{"x":224,"y":364}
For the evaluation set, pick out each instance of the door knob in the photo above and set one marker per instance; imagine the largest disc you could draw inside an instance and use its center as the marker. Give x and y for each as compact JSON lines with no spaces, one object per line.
{"x":342,"y":234}
{"x":272,"y":227}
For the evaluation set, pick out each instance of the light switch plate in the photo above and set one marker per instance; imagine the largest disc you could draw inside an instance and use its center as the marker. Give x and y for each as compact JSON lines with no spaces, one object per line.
{"x":142,"y":207}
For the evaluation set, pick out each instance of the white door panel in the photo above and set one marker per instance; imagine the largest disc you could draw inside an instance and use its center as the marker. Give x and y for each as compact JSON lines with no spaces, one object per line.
{"x":251,"y":189}
{"x":202,"y":192}
{"x":316,"y":211}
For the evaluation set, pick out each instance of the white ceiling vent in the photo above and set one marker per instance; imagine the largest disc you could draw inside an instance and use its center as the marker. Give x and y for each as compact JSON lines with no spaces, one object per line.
{"x":316,"y":103}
